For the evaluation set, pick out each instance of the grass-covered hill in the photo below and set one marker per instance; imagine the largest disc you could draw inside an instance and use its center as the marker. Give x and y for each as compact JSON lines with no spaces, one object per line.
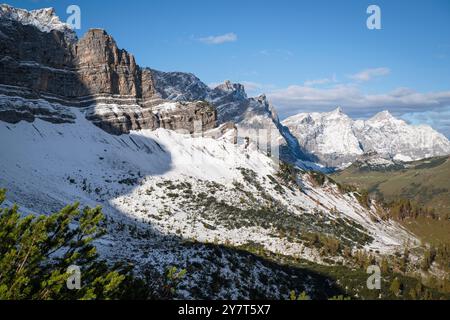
{"x":427,"y":182}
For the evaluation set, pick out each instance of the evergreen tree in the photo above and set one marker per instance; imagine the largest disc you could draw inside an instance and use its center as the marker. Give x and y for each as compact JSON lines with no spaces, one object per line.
{"x":428,"y":258}
{"x":301,"y":296}
{"x":396,"y":287}
{"x":384,"y":266}
{"x":37,"y":251}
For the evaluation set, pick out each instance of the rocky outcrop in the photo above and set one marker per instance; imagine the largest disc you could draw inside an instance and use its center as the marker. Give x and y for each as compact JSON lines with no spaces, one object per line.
{"x":180,"y":86}
{"x":41,"y":59}
{"x":43,"y":19}
{"x":37,"y":62}
{"x":185,"y":117}
{"x":250,"y":115}
{"x":104,"y":69}
{"x":16,"y":109}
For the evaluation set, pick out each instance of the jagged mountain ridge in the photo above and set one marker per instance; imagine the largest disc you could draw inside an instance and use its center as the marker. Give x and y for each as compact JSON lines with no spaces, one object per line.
{"x":44,"y":19}
{"x":122,"y":97}
{"x":233,"y":104}
{"x":116,"y":93}
{"x":337,"y":140}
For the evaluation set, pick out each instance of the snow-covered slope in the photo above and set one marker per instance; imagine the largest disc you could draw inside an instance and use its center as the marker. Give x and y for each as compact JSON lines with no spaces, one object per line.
{"x":338,"y":140}
{"x":176,"y":186}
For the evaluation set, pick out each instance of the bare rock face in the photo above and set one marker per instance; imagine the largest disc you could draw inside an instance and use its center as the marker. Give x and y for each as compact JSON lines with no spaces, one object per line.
{"x":41,"y":59}
{"x":36,"y":61}
{"x":103,"y":68}
{"x":16,"y":109}
{"x":186,"y":117}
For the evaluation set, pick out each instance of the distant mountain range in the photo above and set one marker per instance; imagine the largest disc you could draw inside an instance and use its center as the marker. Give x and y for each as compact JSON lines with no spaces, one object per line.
{"x":337,"y":140}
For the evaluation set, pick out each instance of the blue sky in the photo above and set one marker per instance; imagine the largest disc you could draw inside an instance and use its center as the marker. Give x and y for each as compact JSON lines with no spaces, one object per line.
{"x":306,"y":55}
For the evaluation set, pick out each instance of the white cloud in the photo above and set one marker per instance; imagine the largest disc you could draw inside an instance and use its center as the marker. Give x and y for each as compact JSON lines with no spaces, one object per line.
{"x":300,"y":98}
{"x":228,"y":37}
{"x":369,"y":74}
{"x":253,"y":87}
{"x":311,"y":83}
{"x":438,"y":119}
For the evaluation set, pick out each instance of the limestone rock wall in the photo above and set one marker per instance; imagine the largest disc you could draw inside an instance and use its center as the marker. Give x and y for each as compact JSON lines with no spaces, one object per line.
{"x":91,"y":73}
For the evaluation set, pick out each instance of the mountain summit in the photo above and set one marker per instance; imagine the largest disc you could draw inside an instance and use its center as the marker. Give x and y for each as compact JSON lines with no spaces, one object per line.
{"x":44,"y":19}
{"x":337,"y":140}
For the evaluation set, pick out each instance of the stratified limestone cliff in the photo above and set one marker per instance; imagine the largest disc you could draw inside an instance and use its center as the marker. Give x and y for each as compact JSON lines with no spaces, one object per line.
{"x":44,"y":64}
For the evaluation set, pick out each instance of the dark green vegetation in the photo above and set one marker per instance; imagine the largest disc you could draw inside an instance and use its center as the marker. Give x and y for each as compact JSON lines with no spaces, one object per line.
{"x":257,"y":208}
{"x":350,"y":281}
{"x":37,"y":251}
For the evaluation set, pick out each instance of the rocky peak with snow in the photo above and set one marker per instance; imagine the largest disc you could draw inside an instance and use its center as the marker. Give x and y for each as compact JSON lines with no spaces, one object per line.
{"x":45,"y":19}
{"x":236,"y":90}
{"x":383,"y":116}
{"x":180,"y":86}
{"x":232,"y":105}
{"x":337,"y":140}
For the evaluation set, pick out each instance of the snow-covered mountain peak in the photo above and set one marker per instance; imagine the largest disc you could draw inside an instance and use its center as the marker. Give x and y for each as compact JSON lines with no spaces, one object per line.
{"x":336,"y":114}
{"x":45,"y":19}
{"x":337,"y":111}
{"x":383,"y":117}
{"x":337,"y":140}
{"x":236,"y":89}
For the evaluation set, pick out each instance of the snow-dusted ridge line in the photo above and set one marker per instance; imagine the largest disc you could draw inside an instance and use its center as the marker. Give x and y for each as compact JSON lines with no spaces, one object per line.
{"x":44,"y":19}
{"x":83,"y":101}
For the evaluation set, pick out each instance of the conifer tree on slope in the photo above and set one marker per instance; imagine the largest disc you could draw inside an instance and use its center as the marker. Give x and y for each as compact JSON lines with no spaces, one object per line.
{"x":36,"y":252}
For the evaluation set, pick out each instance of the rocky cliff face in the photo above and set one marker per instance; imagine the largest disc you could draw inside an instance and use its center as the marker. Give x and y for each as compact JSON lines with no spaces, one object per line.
{"x":184,"y":117}
{"x":36,"y":62}
{"x":104,"y":69}
{"x":41,"y":59}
